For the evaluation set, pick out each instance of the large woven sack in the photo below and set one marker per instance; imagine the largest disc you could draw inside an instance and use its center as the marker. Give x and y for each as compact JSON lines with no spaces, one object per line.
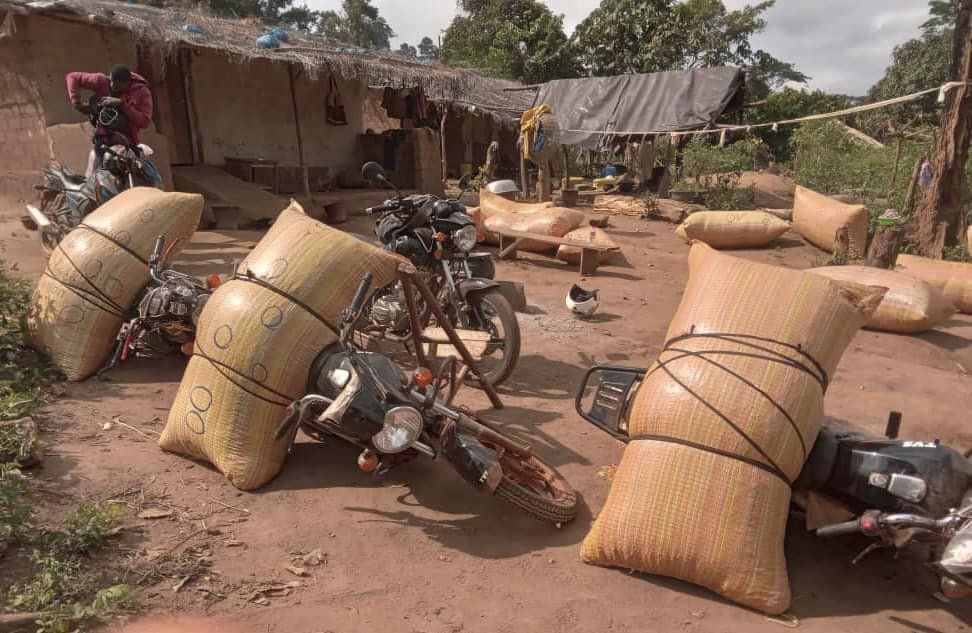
{"x":910,"y":305}
{"x":256,"y":340}
{"x":954,"y":279}
{"x":818,"y":218}
{"x":593,"y":235}
{"x":722,"y":425}
{"x":97,"y":271}
{"x":732,"y":229}
{"x":553,"y":221}
{"x":493,"y":204}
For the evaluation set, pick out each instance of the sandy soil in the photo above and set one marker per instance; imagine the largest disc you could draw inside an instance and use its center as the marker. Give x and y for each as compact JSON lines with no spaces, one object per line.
{"x":418,"y":551}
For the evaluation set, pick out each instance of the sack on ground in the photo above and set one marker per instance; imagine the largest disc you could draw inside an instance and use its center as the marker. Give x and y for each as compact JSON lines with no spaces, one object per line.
{"x":954,"y":279}
{"x":553,"y":222}
{"x":910,"y":305}
{"x":256,"y":340}
{"x":494,"y":204}
{"x":593,"y":235}
{"x":818,"y":218}
{"x":732,"y":229}
{"x":723,"y":423}
{"x":97,"y":271}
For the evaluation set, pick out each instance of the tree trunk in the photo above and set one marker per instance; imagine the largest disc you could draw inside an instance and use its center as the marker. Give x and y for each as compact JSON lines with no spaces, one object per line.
{"x":944,"y":198}
{"x":841,"y":254}
{"x":884,"y":247}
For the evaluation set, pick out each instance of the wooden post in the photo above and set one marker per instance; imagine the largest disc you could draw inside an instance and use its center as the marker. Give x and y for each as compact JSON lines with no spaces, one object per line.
{"x":300,"y":139}
{"x":883,"y":249}
{"x":544,"y":189}
{"x":666,"y":178}
{"x":943,"y":202}
{"x":566,"y":183}
{"x":894,"y":170}
{"x":190,"y":95}
{"x":524,"y":177}
{"x":442,"y":143}
{"x":912,"y":187}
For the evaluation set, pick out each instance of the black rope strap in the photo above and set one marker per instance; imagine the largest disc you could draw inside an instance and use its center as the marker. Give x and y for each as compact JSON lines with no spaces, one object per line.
{"x":84,"y":295}
{"x":113,"y":241}
{"x":227,"y":372}
{"x":286,"y":295}
{"x":96,"y":291}
{"x":810,"y":367}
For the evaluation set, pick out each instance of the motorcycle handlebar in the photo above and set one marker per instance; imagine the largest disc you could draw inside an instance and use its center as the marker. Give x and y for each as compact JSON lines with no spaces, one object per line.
{"x":382,"y":208}
{"x":840,"y":529}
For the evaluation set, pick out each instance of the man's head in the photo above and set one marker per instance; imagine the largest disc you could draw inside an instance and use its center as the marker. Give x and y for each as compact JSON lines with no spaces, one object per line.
{"x":121,"y":79}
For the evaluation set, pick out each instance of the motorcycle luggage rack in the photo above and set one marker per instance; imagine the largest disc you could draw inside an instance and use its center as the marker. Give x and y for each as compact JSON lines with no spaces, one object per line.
{"x":410,"y":278}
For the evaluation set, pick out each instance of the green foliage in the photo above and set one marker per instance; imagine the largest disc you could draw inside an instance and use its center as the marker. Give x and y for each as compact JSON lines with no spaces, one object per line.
{"x":790,"y":103}
{"x":408,"y":50}
{"x":716,"y":171}
{"x":640,"y":36}
{"x":359,"y":23}
{"x":15,"y":507}
{"x":516,"y":39}
{"x":427,"y":49}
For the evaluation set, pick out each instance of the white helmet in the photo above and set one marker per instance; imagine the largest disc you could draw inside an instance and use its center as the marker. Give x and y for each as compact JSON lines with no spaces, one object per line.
{"x":581,"y":302}
{"x":500,"y":187}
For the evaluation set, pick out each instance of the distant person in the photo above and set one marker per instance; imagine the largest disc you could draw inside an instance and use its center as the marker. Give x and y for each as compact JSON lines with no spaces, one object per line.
{"x":492,"y":160}
{"x":121,"y":89}
{"x":925,"y":172}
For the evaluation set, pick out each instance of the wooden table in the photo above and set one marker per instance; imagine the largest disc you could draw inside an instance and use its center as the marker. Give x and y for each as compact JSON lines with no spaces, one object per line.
{"x":510,"y":240}
{"x":249,"y":166}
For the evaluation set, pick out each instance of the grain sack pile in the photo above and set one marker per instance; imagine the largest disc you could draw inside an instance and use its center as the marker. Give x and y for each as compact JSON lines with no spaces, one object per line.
{"x":910,"y":305}
{"x":256,"y":340}
{"x":98,"y":270}
{"x":818,"y":218}
{"x":722,"y":425}
{"x":954,"y":279}
{"x":498,"y":213}
{"x":732,"y":229}
{"x":593,"y":235}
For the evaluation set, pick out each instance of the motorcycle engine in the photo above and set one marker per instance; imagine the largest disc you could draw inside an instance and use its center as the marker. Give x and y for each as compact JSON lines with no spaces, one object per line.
{"x":390,"y":311}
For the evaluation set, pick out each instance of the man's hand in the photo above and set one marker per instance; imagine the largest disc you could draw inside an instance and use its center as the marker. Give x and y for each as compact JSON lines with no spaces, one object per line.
{"x":81,"y":107}
{"x":110,"y":102}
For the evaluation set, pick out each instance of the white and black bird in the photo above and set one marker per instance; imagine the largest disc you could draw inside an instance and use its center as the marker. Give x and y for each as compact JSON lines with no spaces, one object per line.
{"x":582,"y":302}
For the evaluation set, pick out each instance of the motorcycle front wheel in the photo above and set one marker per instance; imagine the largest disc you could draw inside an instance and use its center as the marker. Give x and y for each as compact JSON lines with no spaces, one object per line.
{"x":536,"y":489}
{"x":53,"y":234}
{"x":496,"y":316}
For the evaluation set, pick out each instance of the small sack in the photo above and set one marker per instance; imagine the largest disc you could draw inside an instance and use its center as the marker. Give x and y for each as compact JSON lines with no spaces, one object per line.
{"x":334,"y":108}
{"x":954,"y":279}
{"x":732,"y":229}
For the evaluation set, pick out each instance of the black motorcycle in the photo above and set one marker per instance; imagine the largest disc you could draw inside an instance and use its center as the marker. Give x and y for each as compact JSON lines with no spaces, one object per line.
{"x":364,"y":398}
{"x":438,"y":237}
{"x":66,"y":198}
{"x":166,"y":314}
{"x":898,"y":491}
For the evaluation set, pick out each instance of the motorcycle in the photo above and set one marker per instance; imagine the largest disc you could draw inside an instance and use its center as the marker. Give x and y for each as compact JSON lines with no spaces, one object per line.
{"x":364,"y":398}
{"x":166,"y":314}
{"x":438,"y":237}
{"x":897,"y":491}
{"x":67,"y":198}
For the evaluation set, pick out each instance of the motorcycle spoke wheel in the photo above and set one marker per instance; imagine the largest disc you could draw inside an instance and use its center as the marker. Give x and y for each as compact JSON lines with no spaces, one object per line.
{"x":536,"y":488}
{"x":494,"y":315}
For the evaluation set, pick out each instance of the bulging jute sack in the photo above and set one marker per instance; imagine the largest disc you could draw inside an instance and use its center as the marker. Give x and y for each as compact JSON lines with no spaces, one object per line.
{"x":95,"y":274}
{"x":497,"y":213}
{"x":818,"y":218}
{"x":256,"y":340}
{"x":594,"y":235}
{"x":732,"y":229}
{"x":954,"y":279}
{"x":910,"y":305}
{"x":722,"y":425}
{"x":493,"y":204}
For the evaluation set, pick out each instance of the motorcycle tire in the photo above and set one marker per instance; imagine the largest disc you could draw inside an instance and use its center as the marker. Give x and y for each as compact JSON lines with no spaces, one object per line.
{"x":50,"y":238}
{"x":560,"y":509}
{"x":495,"y":300}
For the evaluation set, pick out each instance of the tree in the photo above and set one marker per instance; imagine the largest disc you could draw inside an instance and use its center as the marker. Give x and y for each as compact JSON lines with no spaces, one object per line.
{"x":639,"y":36}
{"x":358,"y":23}
{"x":517,"y":39}
{"x":790,"y":103}
{"x":407,"y":50}
{"x":427,"y":49}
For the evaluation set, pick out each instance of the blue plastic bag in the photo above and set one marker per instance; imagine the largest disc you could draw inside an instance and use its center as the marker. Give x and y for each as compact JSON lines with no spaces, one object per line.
{"x":268,"y":41}
{"x":280,"y":34}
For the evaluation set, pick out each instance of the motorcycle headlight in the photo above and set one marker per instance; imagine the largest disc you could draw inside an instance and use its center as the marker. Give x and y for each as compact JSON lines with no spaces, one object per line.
{"x":465,"y":238}
{"x":403,"y":425}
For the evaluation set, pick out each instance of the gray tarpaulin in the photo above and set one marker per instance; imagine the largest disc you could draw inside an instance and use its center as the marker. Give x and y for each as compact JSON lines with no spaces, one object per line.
{"x":640,"y":104}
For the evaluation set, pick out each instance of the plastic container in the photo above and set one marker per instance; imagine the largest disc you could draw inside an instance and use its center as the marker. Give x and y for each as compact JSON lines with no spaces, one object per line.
{"x":268,"y":41}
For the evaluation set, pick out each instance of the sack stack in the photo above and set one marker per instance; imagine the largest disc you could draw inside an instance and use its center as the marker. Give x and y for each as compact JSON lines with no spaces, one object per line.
{"x":98,"y":270}
{"x":723,"y":424}
{"x":256,"y":340}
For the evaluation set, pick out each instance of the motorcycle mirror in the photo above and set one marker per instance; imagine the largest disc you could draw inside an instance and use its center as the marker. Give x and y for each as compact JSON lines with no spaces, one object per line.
{"x":372,"y":171}
{"x":603,"y":397}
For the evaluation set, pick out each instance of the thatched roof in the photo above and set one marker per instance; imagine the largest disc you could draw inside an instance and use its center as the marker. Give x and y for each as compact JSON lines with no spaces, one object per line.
{"x":491,"y":96}
{"x":166,"y":28}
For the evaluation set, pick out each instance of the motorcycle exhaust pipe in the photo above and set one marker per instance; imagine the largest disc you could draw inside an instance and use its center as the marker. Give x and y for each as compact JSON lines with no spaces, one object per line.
{"x":39,"y":218}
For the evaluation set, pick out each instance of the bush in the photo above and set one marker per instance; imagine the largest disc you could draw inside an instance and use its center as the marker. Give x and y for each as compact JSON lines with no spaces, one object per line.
{"x":703,"y":157}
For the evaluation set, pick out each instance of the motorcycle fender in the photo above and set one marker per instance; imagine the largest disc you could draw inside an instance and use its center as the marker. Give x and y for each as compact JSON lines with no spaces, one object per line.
{"x":474,"y":462}
{"x":40,"y":220}
{"x":472,"y":287}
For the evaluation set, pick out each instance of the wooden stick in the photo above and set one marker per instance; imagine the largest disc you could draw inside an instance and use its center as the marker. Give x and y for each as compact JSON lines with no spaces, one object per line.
{"x":139,"y":431}
{"x":442,"y":143}
{"x":413,"y":319}
{"x":229,"y":507}
{"x":300,"y":139}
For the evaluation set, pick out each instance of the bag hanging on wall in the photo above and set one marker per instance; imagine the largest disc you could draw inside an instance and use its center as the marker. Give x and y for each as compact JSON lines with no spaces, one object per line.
{"x":335,"y":106}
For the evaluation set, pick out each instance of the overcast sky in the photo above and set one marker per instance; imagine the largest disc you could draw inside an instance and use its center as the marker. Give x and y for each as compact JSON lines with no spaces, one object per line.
{"x":844,"y":45}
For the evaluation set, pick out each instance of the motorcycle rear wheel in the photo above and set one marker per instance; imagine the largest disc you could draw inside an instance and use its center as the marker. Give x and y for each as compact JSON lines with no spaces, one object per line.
{"x":492,"y":305}
{"x":537,"y":489}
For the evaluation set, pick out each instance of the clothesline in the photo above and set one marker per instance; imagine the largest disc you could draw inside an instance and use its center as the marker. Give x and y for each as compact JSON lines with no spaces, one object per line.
{"x":723,"y":129}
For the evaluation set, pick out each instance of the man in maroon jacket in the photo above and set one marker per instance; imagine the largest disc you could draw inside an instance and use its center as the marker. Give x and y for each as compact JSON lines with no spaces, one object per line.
{"x":122,"y":89}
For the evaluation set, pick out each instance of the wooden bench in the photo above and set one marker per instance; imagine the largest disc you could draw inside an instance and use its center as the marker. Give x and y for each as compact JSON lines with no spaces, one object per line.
{"x":510,"y":240}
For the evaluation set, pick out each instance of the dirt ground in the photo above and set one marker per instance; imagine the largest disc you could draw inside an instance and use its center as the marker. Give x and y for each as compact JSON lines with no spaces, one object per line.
{"x":419,"y":551}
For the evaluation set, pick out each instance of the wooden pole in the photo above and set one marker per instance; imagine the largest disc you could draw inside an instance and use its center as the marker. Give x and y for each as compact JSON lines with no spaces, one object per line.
{"x":666,"y":178}
{"x":943,"y":202}
{"x":912,"y":187}
{"x":190,"y":95}
{"x":883,"y":249}
{"x":894,"y":170}
{"x":442,"y":143}
{"x":300,"y":139}
{"x":524,"y":177}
